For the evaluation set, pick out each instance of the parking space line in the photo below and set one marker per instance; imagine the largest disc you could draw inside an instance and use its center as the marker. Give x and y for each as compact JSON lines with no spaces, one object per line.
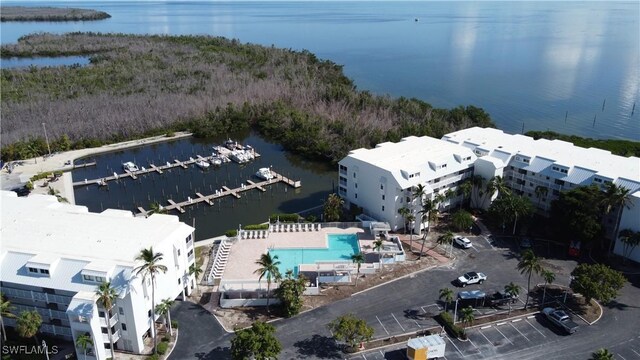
{"x":474,"y":345}
{"x":535,"y":328}
{"x":503,"y":335}
{"x":484,"y":336}
{"x":401,"y":327}
{"x":635,"y":352}
{"x":415,"y":321}
{"x":520,"y":332}
{"x":454,"y":345}
{"x":381,"y":324}
{"x":364,"y":357}
{"x":474,"y":248}
{"x":381,"y":353}
{"x":622,"y":357}
{"x":488,"y":242}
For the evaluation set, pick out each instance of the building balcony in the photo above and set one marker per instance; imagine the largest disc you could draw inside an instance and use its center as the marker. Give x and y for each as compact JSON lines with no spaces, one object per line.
{"x":114,"y":336}
{"x":114,"y":319}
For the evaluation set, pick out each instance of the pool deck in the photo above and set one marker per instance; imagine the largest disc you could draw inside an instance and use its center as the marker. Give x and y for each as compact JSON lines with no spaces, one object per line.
{"x":244,"y":253}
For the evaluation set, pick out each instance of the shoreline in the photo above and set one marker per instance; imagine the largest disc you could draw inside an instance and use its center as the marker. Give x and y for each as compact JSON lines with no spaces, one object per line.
{"x":49,"y":13}
{"x":56,"y":162}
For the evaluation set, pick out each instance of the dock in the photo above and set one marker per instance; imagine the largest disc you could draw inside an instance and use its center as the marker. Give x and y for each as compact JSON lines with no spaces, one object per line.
{"x":143,"y":171}
{"x":226,"y":191}
{"x":83,"y":165}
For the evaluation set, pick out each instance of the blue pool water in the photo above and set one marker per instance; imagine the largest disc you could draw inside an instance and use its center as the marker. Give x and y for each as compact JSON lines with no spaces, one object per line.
{"x":341,"y":247}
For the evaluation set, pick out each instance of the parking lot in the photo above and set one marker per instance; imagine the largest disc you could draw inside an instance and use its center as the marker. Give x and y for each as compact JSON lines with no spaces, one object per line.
{"x":503,"y":339}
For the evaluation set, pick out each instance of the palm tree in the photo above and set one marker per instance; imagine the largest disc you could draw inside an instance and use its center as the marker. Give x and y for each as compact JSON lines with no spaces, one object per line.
{"x":150,"y":268}
{"x":541,"y":192}
{"x":5,"y":312}
{"x":377,"y":246}
{"x":428,"y":208}
{"x":467,"y":316}
{"x":269,"y":269}
{"x":411,"y":218}
{"x":357,"y":259}
{"x":84,"y":341}
{"x":548,"y":277}
{"x":520,"y":207}
{"x":465,"y":189}
{"x":602,"y":354}
{"x":449,"y":195}
{"x":513,"y":290}
{"x":497,"y":184}
{"x":446,"y":239}
{"x":404,"y":212}
{"x":446,"y":295}
{"x":156,"y":208}
{"x":28,"y":324}
{"x":419,"y":192}
{"x":617,"y":197}
{"x":477,"y":183}
{"x":164,"y":309}
{"x":630,"y":240}
{"x":196,"y":271}
{"x":529,"y":264}
{"x":107,"y":298}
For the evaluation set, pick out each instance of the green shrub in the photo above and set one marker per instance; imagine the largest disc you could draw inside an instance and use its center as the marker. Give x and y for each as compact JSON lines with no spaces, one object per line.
{"x":170,"y":134}
{"x":153,"y":357}
{"x":446,"y":320}
{"x":166,"y":338}
{"x":42,"y":175}
{"x":284,"y":218}
{"x":257,"y":227}
{"x":231,"y":233}
{"x":162,"y":348}
{"x":29,"y":186}
{"x":174,"y":324}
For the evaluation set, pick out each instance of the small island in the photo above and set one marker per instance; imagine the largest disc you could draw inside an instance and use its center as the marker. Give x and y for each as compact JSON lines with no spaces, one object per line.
{"x":23,"y":13}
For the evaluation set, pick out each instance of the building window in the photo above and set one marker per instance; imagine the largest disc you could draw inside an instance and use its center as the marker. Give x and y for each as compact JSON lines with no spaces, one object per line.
{"x":99,"y":279}
{"x":88,"y":278}
{"x":188,"y":238}
{"x":354,"y":175}
{"x":343,"y":168}
{"x":382,"y":207}
{"x":124,"y":326}
{"x":381,"y":186}
{"x":179,"y":281}
{"x":178,"y":252}
{"x":33,"y":270}
{"x":190,"y":253}
{"x":149,"y":313}
{"x":382,"y":197}
{"x":356,"y":185}
{"x":356,"y":196}
{"x":559,"y":182}
{"x":408,"y":199}
{"x":120,"y":310}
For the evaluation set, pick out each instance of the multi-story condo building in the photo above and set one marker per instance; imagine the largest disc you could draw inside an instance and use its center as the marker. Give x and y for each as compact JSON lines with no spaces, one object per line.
{"x":382,"y":180}
{"x":53,"y":257}
{"x":538,"y":169}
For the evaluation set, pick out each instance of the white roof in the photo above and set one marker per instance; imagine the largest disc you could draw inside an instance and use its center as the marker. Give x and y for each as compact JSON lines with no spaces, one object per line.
{"x":39,"y":229}
{"x":425,"y":342}
{"x":584,"y":161}
{"x":415,"y":154}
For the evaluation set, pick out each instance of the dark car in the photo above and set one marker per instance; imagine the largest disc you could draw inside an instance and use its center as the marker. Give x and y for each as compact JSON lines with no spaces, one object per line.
{"x":22,"y":191}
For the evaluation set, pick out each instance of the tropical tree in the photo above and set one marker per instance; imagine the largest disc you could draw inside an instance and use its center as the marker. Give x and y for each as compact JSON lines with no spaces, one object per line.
{"x":377,"y":246}
{"x":597,"y":281}
{"x":541,"y":192}
{"x":151,"y":268}
{"x":351,"y":330}
{"x":419,"y":192}
{"x":450,"y":194}
{"x":602,"y":354}
{"x":196,"y":271}
{"x":28,"y":324}
{"x":462,"y":220}
{"x":477,"y":191}
{"x":630,"y":240}
{"x":497,"y":184}
{"x":529,"y":264}
{"x":512,"y":290}
{"x":467,"y":316}
{"x":107,"y":298}
{"x":548,"y":277}
{"x":446,"y":239}
{"x":164,"y":310}
{"x":84,"y":341}
{"x":5,"y":312}
{"x":577,"y":213}
{"x":268,"y":268}
{"x":404,"y":212}
{"x":258,"y":342}
{"x":446,"y":295}
{"x":616,"y":197}
{"x":428,"y":210}
{"x":510,"y":208}
{"x":156,"y":208}
{"x":465,"y":190}
{"x":357,"y":259}
{"x":411,"y":218}
{"x":290,"y":293}
{"x":333,"y":208}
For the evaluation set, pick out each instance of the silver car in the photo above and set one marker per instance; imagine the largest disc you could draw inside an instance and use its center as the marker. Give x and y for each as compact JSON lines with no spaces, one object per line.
{"x":463,"y":242}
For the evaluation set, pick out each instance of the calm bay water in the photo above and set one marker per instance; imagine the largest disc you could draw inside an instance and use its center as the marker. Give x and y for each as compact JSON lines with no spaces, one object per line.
{"x":178,"y":184}
{"x":527,"y":63}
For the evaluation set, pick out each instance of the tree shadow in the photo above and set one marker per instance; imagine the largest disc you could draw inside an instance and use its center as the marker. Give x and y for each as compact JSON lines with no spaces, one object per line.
{"x":416,"y":314}
{"x":319,"y":346}
{"x":219,"y":353}
{"x":613,"y":304}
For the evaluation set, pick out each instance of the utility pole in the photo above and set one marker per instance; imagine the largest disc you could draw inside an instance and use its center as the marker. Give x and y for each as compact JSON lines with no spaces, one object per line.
{"x":46,"y":138}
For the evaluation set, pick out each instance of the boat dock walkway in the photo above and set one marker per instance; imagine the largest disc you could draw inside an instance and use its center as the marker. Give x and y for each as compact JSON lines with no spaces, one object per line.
{"x":143,"y":171}
{"x":225,"y":191}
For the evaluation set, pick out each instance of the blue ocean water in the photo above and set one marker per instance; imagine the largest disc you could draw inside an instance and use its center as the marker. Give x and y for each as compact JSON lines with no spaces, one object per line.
{"x":571,"y":67}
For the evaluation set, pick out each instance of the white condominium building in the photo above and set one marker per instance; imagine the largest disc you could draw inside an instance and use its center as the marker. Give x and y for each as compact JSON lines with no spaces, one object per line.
{"x":53,"y":257}
{"x":382,"y":180}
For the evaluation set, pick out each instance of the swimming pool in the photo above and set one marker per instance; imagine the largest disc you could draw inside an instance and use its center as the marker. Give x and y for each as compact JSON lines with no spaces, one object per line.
{"x":341,"y":247}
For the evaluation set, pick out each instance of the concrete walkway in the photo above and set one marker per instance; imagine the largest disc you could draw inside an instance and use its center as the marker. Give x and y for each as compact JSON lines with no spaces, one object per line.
{"x":416,"y":247}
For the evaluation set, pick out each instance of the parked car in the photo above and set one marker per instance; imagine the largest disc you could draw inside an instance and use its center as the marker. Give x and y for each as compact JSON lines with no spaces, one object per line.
{"x":561,"y":319}
{"x":473,"y":298}
{"x":500,"y":298}
{"x":463,"y":242}
{"x":471,"y":278}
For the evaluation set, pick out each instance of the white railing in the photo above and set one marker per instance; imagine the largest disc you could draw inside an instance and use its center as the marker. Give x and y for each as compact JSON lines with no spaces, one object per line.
{"x":114,"y":319}
{"x":114,"y":336}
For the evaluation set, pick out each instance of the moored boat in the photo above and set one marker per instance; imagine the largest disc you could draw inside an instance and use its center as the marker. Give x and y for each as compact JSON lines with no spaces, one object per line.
{"x":264,"y":174}
{"x":202,"y":164}
{"x":130,"y":166}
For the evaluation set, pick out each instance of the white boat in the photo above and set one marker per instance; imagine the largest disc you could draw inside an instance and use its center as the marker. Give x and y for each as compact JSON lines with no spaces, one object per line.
{"x":239,"y":156}
{"x":265,"y":174}
{"x":130,"y":166}
{"x":215,"y":161}
{"x":202,"y":164}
